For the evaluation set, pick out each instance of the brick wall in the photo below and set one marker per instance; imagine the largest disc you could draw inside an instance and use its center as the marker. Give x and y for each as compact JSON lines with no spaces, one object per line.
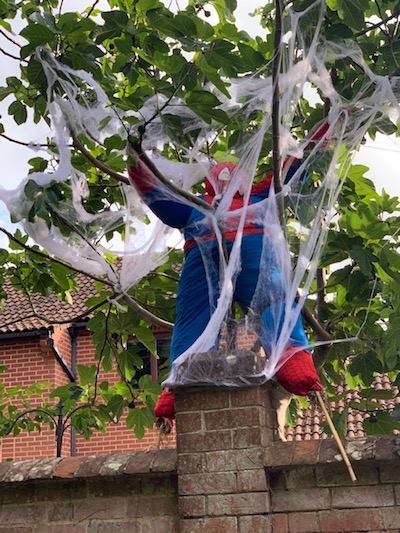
{"x":125,"y":493}
{"x":30,"y":359}
{"x":228,"y":475}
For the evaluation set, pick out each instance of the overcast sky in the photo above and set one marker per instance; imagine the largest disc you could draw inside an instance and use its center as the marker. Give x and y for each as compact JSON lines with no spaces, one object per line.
{"x":382,"y":156}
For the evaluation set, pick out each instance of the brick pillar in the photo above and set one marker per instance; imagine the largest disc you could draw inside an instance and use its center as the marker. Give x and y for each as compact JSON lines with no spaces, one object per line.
{"x":221,"y":439}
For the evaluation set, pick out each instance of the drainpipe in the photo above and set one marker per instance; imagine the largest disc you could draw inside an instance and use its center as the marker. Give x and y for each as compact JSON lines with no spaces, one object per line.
{"x":68,"y":371}
{"x":73,"y":337}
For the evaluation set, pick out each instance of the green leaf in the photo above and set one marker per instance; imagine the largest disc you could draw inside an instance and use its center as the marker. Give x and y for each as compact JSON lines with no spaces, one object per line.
{"x":36,"y":75}
{"x":139,"y":419}
{"x":145,"y":336}
{"x":351,"y":13}
{"x":67,"y":392}
{"x":116,"y":405}
{"x":18,"y":111}
{"x":380,"y":423}
{"x":395,"y":414}
{"x":203,"y":103}
{"x":365,"y":366}
{"x":87,"y":374}
{"x":36,"y":35}
{"x":5,"y":91}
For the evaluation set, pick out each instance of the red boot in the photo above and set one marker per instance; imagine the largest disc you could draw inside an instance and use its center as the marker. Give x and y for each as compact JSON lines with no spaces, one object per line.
{"x":165,"y":406}
{"x":298,"y":374}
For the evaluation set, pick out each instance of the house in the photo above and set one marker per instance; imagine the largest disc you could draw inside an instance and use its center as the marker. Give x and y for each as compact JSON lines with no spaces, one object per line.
{"x":40,"y":341}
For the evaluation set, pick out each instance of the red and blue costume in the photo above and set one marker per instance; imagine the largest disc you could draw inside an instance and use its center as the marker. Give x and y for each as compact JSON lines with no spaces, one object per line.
{"x":199,"y":281}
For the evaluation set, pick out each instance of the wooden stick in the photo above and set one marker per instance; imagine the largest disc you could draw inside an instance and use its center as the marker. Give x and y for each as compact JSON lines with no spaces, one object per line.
{"x":336,"y":436}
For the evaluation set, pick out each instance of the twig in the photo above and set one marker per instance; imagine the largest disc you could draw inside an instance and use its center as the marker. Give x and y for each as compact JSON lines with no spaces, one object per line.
{"x":3,"y":33}
{"x":98,"y":164}
{"x":377,"y":24}
{"x":276,"y":158}
{"x":92,"y":8}
{"x":12,"y":56}
{"x":336,"y":436}
{"x":29,"y":145}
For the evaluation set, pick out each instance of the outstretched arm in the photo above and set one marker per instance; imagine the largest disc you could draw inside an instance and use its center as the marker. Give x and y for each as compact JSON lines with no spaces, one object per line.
{"x":161,"y":201}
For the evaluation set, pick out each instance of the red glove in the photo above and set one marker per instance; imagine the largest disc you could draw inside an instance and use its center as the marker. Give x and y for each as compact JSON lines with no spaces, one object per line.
{"x":298,"y":374}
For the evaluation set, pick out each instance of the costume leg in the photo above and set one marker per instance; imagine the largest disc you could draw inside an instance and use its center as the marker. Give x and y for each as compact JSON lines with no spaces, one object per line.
{"x":194,"y":305}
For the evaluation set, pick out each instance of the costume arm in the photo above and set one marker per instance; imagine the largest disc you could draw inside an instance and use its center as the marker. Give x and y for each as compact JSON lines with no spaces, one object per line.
{"x":160,"y":200}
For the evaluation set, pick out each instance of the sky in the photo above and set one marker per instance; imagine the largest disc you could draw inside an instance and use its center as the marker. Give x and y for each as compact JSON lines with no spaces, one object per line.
{"x":382,"y":156}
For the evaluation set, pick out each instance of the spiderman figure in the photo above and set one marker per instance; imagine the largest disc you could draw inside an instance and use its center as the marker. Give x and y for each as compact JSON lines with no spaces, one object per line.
{"x":198,"y":288}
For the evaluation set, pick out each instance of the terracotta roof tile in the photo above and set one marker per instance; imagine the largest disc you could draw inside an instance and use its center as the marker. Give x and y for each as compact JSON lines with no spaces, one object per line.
{"x":21,"y":313}
{"x":308,"y":425}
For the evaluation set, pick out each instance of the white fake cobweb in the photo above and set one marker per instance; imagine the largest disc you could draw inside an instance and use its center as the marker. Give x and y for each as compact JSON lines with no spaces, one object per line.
{"x":310,"y":194}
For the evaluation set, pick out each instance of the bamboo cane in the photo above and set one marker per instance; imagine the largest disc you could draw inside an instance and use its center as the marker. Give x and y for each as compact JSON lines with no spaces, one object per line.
{"x":336,"y":436}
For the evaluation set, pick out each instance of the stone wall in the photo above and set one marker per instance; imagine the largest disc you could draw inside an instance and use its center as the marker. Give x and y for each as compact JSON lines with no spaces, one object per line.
{"x":229,"y":474}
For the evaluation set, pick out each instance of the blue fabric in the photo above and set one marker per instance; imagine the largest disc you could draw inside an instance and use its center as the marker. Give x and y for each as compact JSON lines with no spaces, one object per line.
{"x":195,"y":304}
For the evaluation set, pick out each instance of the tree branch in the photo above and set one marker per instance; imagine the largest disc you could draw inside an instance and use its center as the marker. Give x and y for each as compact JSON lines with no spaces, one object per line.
{"x":176,"y":190}
{"x":12,"y":56}
{"x":95,"y":162}
{"x":3,"y":33}
{"x":377,"y":24}
{"x":276,"y":158}
{"x":54,"y":260}
{"x":146,"y":314}
{"x":22,"y":143}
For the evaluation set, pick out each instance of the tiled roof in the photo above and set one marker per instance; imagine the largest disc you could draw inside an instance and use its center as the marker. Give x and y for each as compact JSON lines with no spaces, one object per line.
{"x":22,"y":313}
{"x":308,"y":424}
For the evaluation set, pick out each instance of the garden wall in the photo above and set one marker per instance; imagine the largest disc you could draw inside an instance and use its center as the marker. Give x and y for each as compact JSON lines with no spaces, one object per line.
{"x":229,"y":474}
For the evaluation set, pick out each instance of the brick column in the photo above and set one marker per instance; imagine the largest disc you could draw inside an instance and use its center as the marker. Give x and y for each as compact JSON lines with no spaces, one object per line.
{"x":221,"y":439}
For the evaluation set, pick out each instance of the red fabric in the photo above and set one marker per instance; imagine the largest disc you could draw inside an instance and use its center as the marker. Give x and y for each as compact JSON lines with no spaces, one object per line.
{"x":141,"y":177}
{"x":298,"y":374}
{"x":165,"y":406}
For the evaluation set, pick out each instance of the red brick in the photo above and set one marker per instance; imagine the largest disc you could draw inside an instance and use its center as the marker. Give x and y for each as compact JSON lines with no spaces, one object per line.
{"x":251,"y":481}
{"x":279,"y":454}
{"x":100,"y":508}
{"x":391,"y":518}
{"x":397,"y":494}
{"x":192,"y":506}
{"x":300,"y":500}
{"x":17,"y":530}
{"x":204,"y":400}
{"x":389,"y":472}
{"x":164,"y":524}
{"x":303,"y":522}
{"x":248,"y":437}
{"x":328,"y":451}
{"x":279,"y":523}
{"x":188,"y":422}
{"x":215,"y":483}
{"x":226,"y":524}
{"x":194,"y":463}
{"x":373,"y":496}
{"x":333,"y":475}
{"x":255,"y":524}
{"x":232,"y":418}
{"x":300,"y":478}
{"x":384,"y":449}
{"x":198,"y":442}
{"x":349,"y":520}
{"x":250,"y":396}
{"x":305,"y":452}
{"x":152,"y":506}
{"x":238,"y":504}
{"x":22,"y":514}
